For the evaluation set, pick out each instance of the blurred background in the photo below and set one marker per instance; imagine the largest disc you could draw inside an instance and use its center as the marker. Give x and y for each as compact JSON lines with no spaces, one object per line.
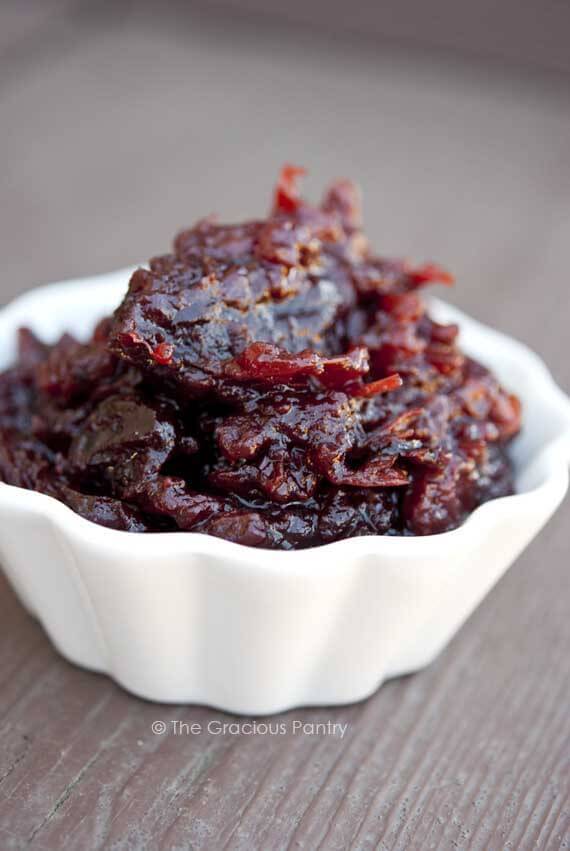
{"x":123,"y":121}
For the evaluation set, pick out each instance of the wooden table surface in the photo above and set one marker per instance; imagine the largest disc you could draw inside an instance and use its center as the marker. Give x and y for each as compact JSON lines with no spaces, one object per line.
{"x":118,"y":127}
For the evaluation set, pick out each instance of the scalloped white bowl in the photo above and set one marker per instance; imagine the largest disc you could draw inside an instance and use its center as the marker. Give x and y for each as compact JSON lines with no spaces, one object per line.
{"x":189,"y":618}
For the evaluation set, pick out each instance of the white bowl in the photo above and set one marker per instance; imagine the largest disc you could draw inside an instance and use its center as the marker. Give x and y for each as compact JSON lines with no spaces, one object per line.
{"x":189,"y":618}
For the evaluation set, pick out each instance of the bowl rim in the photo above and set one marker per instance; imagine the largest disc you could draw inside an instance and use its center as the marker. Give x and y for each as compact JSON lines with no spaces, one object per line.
{"x":550,"y":465}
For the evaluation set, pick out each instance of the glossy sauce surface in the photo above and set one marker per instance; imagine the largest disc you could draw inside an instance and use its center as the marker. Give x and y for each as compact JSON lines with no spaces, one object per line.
{"x":274,"y":383}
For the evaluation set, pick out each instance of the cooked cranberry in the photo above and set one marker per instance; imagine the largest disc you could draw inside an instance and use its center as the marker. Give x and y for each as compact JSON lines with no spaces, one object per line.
{"x":273,"y":383}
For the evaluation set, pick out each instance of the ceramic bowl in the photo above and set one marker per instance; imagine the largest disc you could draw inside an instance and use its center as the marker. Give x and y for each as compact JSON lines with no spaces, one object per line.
{"x":189,"y":618}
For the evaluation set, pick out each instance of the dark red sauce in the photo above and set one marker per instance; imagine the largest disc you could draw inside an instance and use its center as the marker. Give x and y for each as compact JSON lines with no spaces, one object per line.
{"x":274,"y":383}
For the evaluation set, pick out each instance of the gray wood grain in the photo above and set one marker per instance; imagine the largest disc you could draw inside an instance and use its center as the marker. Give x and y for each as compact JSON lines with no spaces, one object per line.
{"x":136,"y":126}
